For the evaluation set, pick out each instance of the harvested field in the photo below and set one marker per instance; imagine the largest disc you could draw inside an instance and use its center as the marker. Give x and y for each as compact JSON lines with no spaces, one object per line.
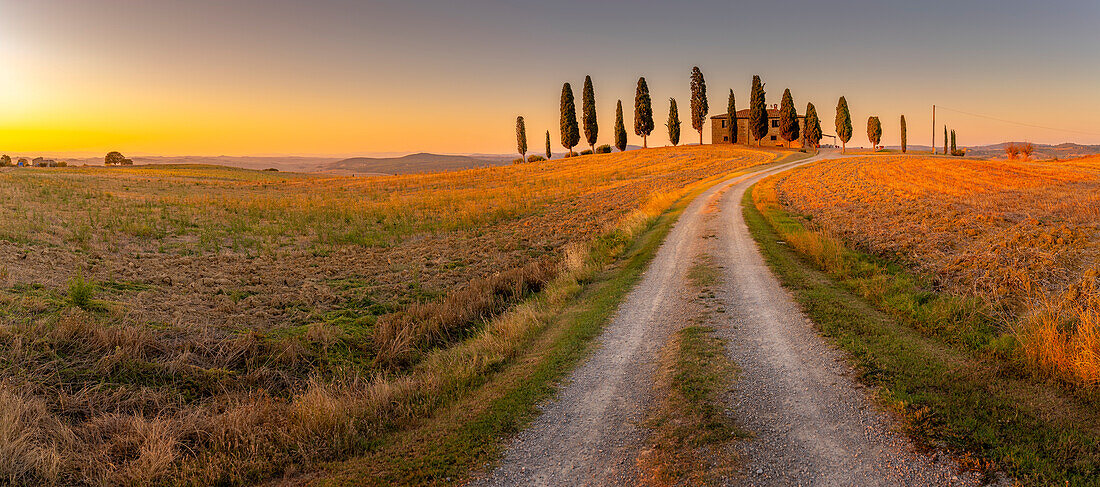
{"x":198,"y":324}
{"x":1024,"y":237}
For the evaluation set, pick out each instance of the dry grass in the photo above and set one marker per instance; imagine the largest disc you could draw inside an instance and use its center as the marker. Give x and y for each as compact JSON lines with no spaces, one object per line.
{"x":245,"y":325}
{"x":1023,"y":237}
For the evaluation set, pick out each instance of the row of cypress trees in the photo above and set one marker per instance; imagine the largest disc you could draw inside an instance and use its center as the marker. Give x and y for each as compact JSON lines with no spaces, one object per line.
{"x":790,"y":131}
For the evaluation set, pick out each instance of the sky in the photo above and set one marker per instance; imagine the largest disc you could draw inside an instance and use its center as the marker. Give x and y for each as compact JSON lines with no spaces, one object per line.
{"x":341,"y":77}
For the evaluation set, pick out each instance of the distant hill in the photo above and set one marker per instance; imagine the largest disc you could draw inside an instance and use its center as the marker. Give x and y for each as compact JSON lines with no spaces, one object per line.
{"x":413,"y":163}
{"x":1042,"y":152}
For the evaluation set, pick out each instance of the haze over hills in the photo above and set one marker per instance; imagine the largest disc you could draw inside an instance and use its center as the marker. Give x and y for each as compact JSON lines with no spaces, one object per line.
{"x":414,"y":163}
{"x":1066,"y":150}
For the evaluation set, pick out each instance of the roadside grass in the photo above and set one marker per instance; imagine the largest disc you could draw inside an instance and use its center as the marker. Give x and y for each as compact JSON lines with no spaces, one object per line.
{"x":467,"y":434}
{"x":935,"y":359}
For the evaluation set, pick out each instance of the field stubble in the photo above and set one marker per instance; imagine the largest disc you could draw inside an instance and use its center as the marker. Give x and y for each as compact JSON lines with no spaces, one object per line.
{"x":1024,"y":238}
{"x":233,"y":325}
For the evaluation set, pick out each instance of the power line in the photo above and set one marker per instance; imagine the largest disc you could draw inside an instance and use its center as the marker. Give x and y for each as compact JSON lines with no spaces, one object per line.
{"x":1020,"y":123}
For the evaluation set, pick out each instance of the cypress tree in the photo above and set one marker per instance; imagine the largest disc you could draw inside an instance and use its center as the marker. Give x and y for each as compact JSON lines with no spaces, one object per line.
{"x":699,"y":107}
{"x":903,"y":145}
{"x":643,"y":112}
{"x":843,"y":123}
{"x":673,"y":123}
{"x":788,"y":118}
{"x":945,"y":140}
{"x":812,"y":131}
{"x":588,"y":115}
{"x":758,"y":111}
{"x":620,"y":127}
{"x":874,"y":131}
{"x":954,"y":149}
{"x":548,"y":153}
{"x":521,"y":138}
{"x":731,"y":114}
{"x":570,"y":135}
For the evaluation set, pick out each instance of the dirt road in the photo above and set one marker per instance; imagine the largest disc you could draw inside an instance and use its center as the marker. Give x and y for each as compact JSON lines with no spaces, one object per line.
{"x":812,"y":423}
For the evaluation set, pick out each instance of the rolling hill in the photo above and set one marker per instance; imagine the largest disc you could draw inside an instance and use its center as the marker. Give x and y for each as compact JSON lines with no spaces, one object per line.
{"x":412,"y":163}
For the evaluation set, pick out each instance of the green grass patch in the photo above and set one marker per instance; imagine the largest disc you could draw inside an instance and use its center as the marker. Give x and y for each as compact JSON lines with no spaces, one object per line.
{"x":935,"y":359}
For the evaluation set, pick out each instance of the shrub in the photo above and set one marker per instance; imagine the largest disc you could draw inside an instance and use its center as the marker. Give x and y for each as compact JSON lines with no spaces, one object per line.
{"x":518,"y":160}
{"x":1012,"y":150}
{"x":586,"y":152}
{"x":958,"y":152}
{"x":81,"y":291}
{"x":62,"y":164}
{"x":1026,"y":149}
{"x":535,"y":158}
{"x":271,"y":169}
{"x":5,"y":161}
{"x":571,"y":154}
{"x":603,"y":149}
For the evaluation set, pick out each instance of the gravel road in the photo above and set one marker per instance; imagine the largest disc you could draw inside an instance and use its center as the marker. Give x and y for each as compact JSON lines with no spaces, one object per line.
{"x":812,"y":422}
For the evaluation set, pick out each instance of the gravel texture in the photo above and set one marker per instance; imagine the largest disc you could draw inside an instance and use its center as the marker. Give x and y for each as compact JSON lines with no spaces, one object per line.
{"x":813,"y":424}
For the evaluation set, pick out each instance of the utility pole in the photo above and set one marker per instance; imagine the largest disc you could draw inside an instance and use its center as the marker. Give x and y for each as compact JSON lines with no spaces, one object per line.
{"x":933,"y":129}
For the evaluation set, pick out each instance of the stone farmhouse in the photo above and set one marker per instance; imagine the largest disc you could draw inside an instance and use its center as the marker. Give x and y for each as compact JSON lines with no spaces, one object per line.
{"x":720,"y":129}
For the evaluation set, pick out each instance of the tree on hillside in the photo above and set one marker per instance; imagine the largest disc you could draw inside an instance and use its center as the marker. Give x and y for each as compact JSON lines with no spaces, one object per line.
{"x":699,"y":106}
{"x":588,"y":115}
{"x":903,"y":144}
{"x":811,"y":133}
{"x":1026,"y":149}
{"x":548,"y":153}
{"x":620,"y":127}
{"x":643,"y":112}
{"x":843,"y":124}
{"x":521,"y":137}
{"x":788,"y":118}
{"x":5,"y":160}
{"x":673,"y":123}
{"x":944,"y":140}
{"x":115,"y":158}
{"x":758,"y":110}
{"x":954,"y":148}
{"x":731,"y":114}
{"x":874,"y":132}
{"x":570,"y":134}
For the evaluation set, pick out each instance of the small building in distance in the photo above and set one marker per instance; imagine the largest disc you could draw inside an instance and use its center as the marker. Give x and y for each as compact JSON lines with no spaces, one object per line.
{"x":720,"y":129}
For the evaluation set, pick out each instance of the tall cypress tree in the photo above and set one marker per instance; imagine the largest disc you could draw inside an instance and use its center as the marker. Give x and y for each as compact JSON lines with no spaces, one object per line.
{"x":643,"y":112}
{"x":673,"y":123}
{"x":570,"y":134}
{"x":731,"y":114}
{"x":521,"y":138}
{"x":758,"y":110}
{"x":843,"y":124}
{"x":549,"y":154}
{"x":811,"y":134}
{"x":954,"y":148}
{"x":945,"y":140}
{"x":588,"y":115}
{"x":874,"y":131}
{"x":699,"y":107}
{"x":903,"y":141}
{"x":620,"y":127}
{"x":788,"y":118}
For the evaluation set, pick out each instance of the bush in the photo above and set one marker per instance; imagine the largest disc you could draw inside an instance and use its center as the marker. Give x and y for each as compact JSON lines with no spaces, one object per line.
{"x":271,"y":169}
{"x":958,"y":153}
{"x":586,"y":152}
{"x":62,"y":164}
{"x":603,"y":149}
{"x":535,"y":158}
{"x":518,"y":160}
{"x":571,"y":154}
{"x":81,"y":291}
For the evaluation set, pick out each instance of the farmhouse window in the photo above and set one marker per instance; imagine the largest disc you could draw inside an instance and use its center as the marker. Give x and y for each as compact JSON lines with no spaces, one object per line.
{"x":725,"y":138}
{"x":773,"y":137}
{"x":723,"y":124}
{"x":775,"y":123}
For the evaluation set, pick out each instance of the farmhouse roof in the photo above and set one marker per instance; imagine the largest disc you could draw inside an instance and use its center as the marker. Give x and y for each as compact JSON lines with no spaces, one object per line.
{"x":744,"y":113}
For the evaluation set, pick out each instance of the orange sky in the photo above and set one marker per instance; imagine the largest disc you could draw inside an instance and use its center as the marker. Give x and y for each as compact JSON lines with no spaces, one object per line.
{"x":341,"y":78}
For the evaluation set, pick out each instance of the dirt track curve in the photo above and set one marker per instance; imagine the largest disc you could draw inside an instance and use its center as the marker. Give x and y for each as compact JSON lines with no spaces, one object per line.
{"x":812,"y":423}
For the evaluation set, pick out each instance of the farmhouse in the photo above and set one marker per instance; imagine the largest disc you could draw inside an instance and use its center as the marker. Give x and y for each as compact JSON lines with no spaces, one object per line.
{"x":720,"y":129}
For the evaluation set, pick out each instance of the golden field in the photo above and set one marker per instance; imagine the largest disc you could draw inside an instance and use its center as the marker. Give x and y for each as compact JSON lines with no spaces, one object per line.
{"x":200,"y":325}
{"x":1022,"y":237}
